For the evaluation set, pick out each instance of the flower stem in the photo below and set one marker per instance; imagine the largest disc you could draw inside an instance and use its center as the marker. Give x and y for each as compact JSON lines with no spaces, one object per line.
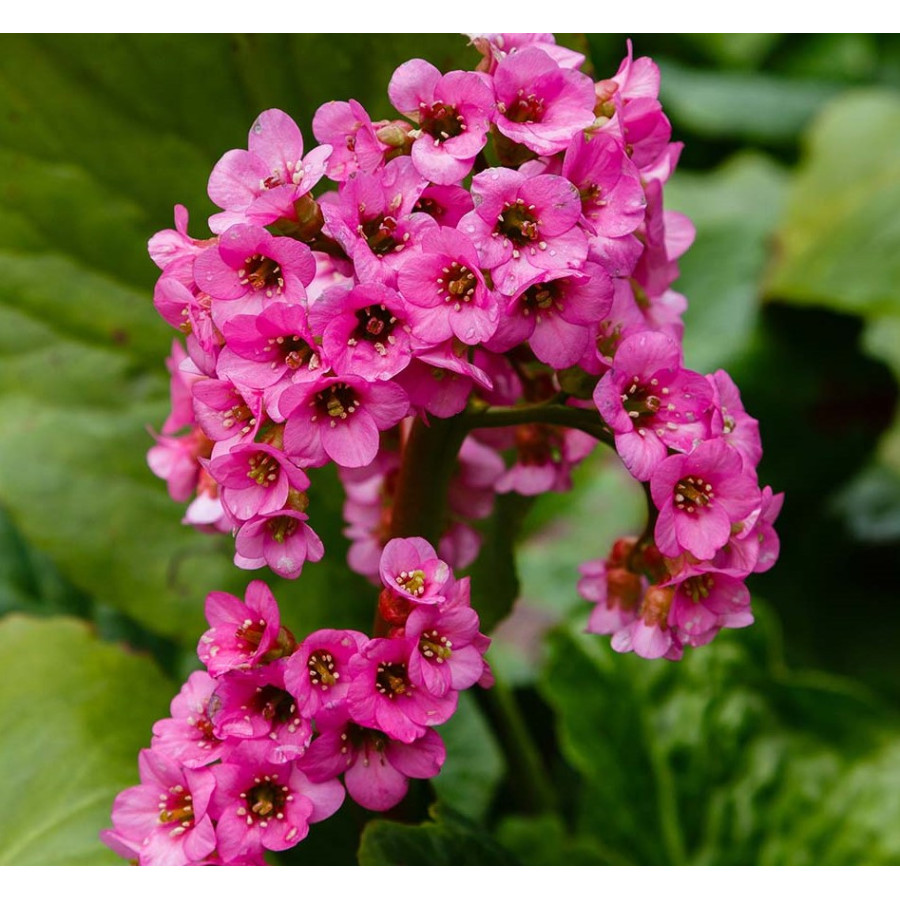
{"x":548,"y":412}
{"x":526,"y":768}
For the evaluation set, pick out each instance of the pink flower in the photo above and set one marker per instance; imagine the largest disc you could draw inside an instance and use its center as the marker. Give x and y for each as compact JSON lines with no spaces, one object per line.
{"x":411,"y":568}
{"x":651,"y":403}
{"x":539,"y":103}
{"x":447,"y":290}
{"x":364,"y":330}
{"x":188,"y":736}
{"x":522,"y":225}
{"x":383,"y":696}
{"x":376,"y":767}
{"x":700,"y":496}
{"x":280,"y":540}
{"x":317,"y":673}
{"x":254,"y":706}
{"x":250,"y":262}
{"x":349,"y":131}
{"x":260,"y":804}
{"x":261,"y":185}
{"x":452,"y":112}
{"x":165,"y":818}
{"x":339,"y":419}
{"x":242,"y":634}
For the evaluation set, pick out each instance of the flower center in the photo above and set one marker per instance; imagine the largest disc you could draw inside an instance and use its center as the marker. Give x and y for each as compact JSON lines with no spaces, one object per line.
{"x":518,"y":223}
{"x":412,"y":582}
{"x":656,"y":605}
{"x":263,"y":469}
{"x":525,"y":109}
{"x":379,"y":235}
{"x":322,"y":669}
{"x":282,"y":527}
{"x":294,"y":351}
{"x":274,"y":704}
{"x":699,"y":587}
{"x":640,"y":402}
{"x":441,"y":121}
{"x":693,"y":493}
{"x":266,"y":799}
{"x":391,"y":680}
{"x":262,"y":273}
{"x":456,"y":283}
{"x":251,"y":633}
{"x":176,"y":808}
{"x":375,"y":325}
{"x":435,"y":646}
{"x":337,"y":403}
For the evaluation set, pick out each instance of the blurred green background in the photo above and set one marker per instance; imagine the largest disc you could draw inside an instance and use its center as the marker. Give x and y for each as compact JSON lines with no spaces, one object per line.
{"x":777,"y":744}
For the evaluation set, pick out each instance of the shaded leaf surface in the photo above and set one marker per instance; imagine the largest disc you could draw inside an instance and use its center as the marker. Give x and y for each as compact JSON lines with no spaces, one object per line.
{"x":71,"y":719}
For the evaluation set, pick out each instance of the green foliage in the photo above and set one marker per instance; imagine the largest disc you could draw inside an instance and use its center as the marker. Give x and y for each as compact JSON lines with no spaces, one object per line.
{"x":723,"y":759}
{"x":72,"y":716}
{"x":448,"y":840}
{"x":794,"y":284}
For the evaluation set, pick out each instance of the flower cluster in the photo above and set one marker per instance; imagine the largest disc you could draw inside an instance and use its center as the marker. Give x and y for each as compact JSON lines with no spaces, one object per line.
{"x":256,"y":744}
{"x":455,"y":303}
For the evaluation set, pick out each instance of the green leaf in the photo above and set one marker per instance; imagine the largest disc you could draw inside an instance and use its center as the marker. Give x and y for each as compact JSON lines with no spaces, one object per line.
{"x":105,"y":135}
{"x":474,"y":765}
{"x":745,"y":105}
{"x":722,"y":758}
{"x":735,"y":209}
{"x":448,"y":840}
{"x":71,"y":720}
{"x":839,"y":245}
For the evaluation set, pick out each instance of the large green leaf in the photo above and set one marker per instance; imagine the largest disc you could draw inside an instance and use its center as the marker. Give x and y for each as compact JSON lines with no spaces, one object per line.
{"x":100,"y":141}
{"x":448,"y":840}
{"x":723,"y":758}
{"x":72,"y":713}
{"x":839,"y":244}
{"x":735,"y":210}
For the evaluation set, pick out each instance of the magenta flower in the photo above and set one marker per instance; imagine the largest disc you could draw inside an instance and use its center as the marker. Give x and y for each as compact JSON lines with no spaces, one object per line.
{"x":339,"y":419}
{"x":539,"y":103}
{"x":609,"y":184}
{"x":250,"y":262}
{"x":317,"y":672}
{"x":254,"y":706}
{"x":453,"y":114}
{"x":349,"y":131}
{"x":651,"y":403}
{"x":225,"y":411}
{"x":260,"y":804}
{"x":376,"y":767}
{"x":364,"y":330}
{"x":165,"y":818}
{"x":700,"y":496}
{"x":255,"y":479}
{"x":188,"y":736}
{"x":280,"y":540}
{"x":554,"y":314}
{"x":383,"y":696}
{"x":275,"y":346}
{"x":497,"y":46}
{"x":522,"y":225}
{"x":373,"y":219}
{"x":242,"y":634}
{"x":261,"y":185}
{"x":731,"y":422}
{"x":705,"y":603}
{"x":411,"y":568}
{"x":447,"y":290}
{"x":445,"y":656}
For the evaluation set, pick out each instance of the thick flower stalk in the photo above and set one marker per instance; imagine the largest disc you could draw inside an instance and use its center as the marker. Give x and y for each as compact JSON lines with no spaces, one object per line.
{"x":453,"y":304}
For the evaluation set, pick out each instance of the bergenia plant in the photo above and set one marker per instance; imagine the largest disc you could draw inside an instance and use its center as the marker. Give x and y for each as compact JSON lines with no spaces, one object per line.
{"x":455,"y":304}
